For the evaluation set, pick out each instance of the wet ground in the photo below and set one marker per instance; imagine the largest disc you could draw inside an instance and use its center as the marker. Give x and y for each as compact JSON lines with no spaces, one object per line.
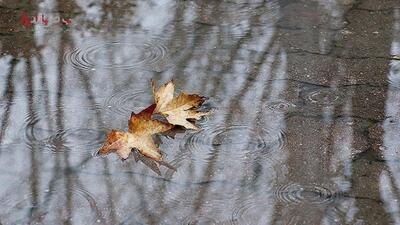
{"x":305,"y":128}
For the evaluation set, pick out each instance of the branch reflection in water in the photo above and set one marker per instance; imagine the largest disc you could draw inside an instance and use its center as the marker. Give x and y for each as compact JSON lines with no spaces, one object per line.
{"x":304,"y":129}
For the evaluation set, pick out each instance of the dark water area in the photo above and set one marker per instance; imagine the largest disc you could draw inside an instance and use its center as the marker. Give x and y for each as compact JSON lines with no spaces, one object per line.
{"x":305,"y":97}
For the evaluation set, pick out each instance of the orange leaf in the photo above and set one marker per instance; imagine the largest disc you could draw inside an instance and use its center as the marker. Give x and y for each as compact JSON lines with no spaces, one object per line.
{"x":141,"y":127}
{"x":177,"y":109}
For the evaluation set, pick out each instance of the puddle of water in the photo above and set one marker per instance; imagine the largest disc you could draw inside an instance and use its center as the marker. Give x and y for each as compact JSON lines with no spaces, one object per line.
{"x":79,"y":133}
{"x":125,"y":101}
{"x":299,"y":194}
{"x":304,"y":125}
{"x":139,"y":53}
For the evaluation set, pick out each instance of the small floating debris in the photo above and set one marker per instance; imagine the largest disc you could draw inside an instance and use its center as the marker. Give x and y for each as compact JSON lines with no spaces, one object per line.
{"x":396,"y":57}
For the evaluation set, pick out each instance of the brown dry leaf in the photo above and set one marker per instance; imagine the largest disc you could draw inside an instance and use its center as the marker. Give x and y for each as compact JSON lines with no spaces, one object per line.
{"x":177,"y":109}
{"x":141,"y":128}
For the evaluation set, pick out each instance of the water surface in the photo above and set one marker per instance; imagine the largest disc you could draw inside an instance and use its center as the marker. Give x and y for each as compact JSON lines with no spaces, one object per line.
{"x":305,"y":126}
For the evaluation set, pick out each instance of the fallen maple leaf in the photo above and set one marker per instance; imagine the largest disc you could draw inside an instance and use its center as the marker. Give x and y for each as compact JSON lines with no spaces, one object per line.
{"x":177,"y":109}
{"x":141,"y":128}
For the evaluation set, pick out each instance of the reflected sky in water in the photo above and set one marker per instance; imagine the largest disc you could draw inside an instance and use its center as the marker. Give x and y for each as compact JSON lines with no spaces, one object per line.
{"x":305,"y":98}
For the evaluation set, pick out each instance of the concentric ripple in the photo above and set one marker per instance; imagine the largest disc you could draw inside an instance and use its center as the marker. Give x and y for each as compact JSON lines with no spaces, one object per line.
{"x":299,"y":194}
{"x":252,"y":210}
{"x":280,"y":106}
{"x":237,"y":142}
{"x":323,"y":97}
{"x":197,"y":220}
{"x":235,"y":153}
{"x":78,"y":131}
{"x":125,"y":101}
{"x":48,"y":205}
{"x":146,"y":54}
{"x":77,"y":138}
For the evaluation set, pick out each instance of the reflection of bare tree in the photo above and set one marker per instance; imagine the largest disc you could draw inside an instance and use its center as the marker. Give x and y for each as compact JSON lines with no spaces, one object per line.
{"x":9,"y":95}
{"x":23,"y":57}
{"x":246,"y":71}
{"x":35,"y":173}
{"x":390,"y":180}
{"x":31,"y":54}
{"x":217,"y":82}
